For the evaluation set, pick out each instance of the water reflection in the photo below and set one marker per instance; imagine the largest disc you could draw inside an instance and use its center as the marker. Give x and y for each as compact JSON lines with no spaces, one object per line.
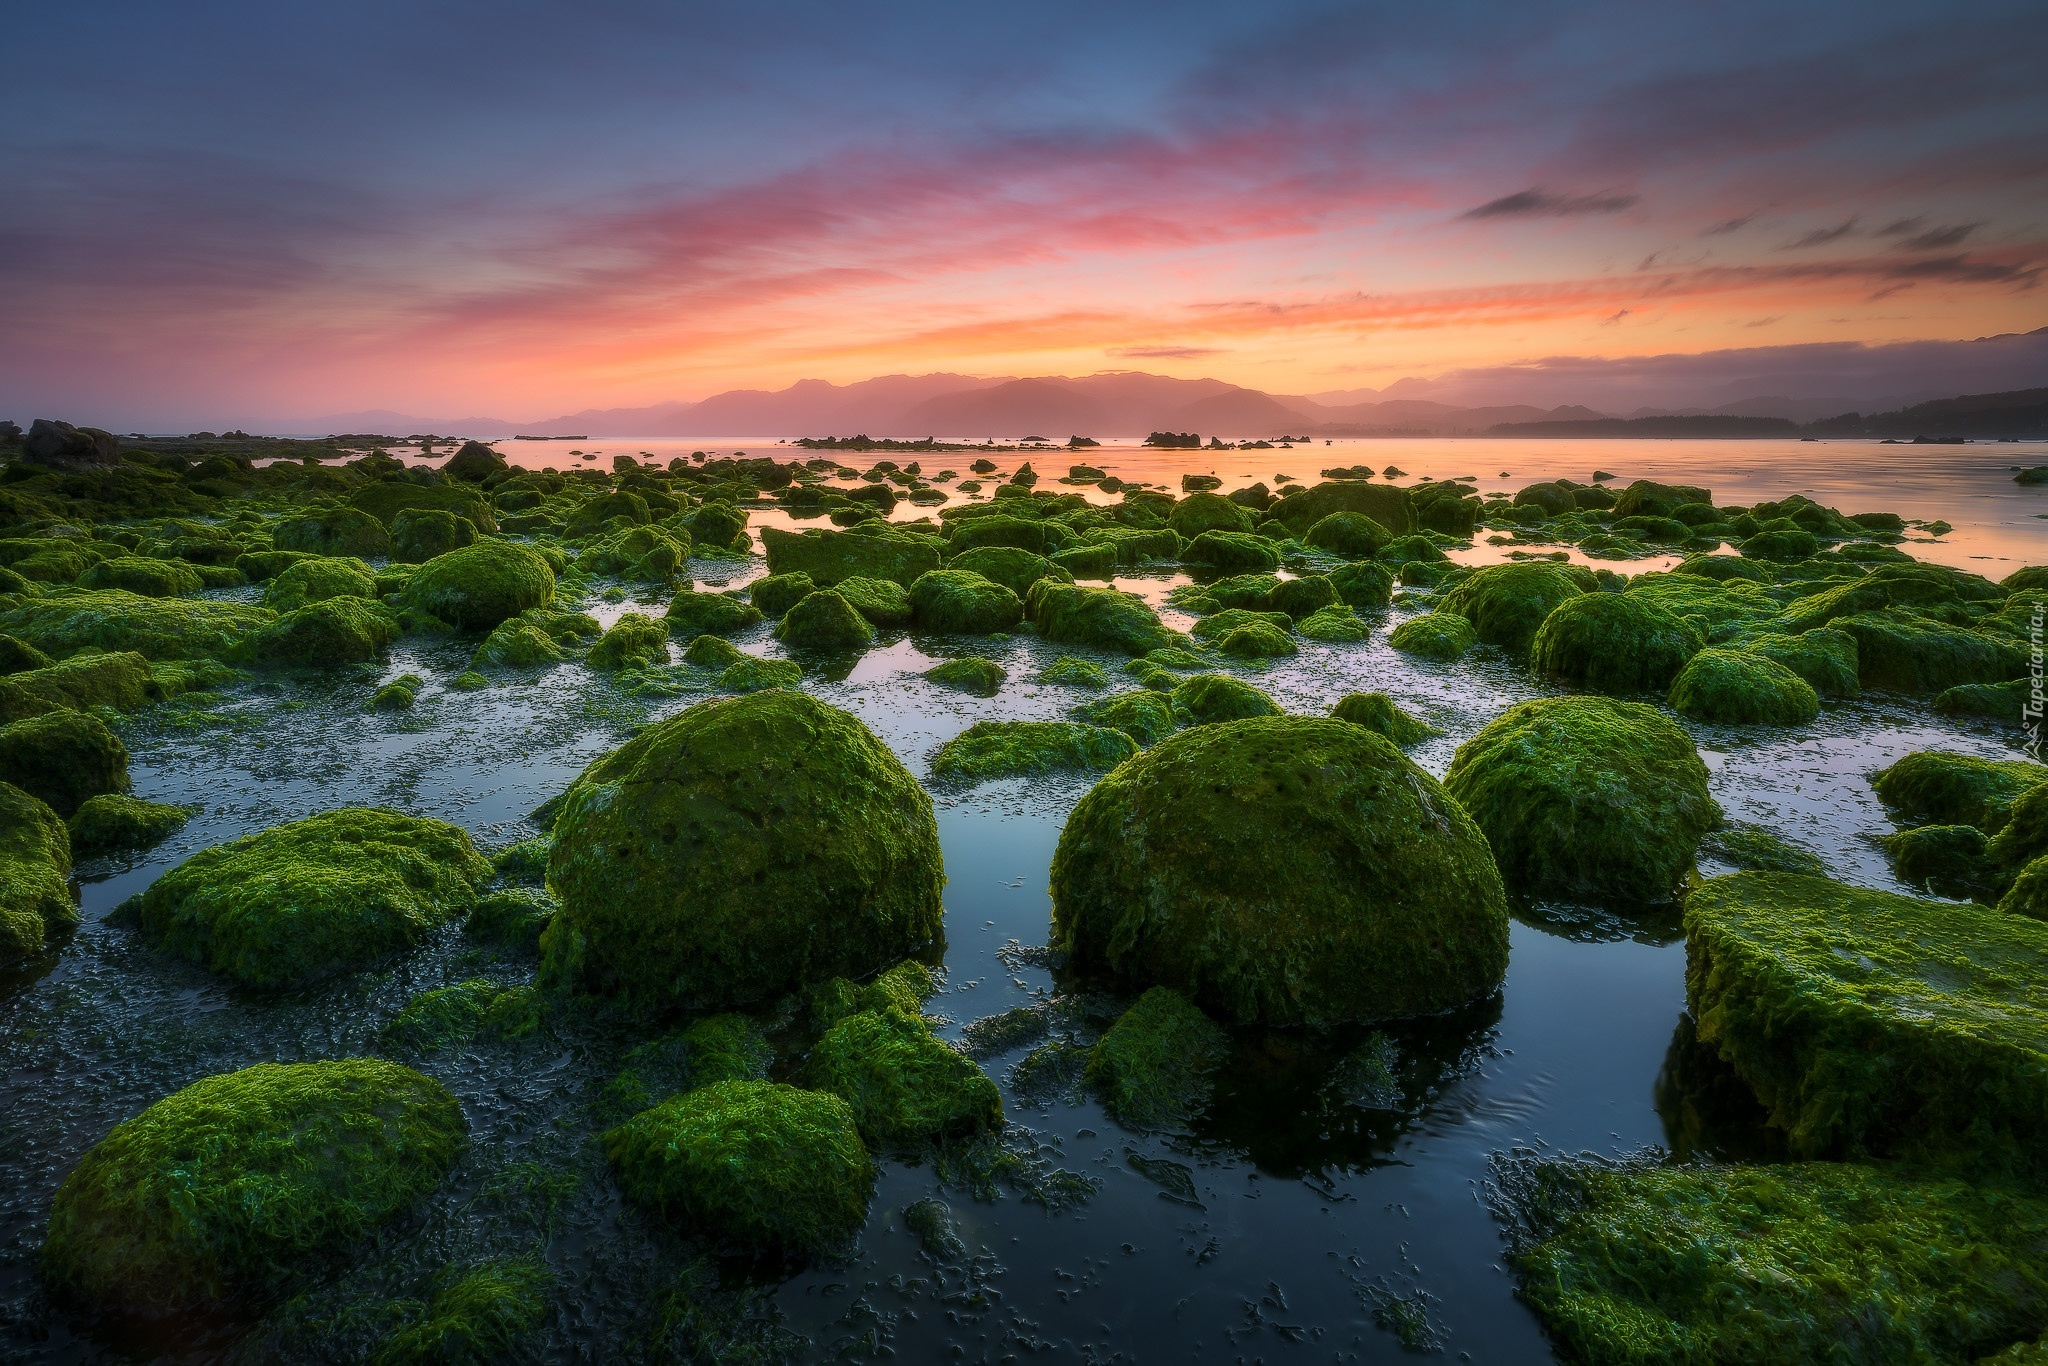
{"x":1708,"y":1111}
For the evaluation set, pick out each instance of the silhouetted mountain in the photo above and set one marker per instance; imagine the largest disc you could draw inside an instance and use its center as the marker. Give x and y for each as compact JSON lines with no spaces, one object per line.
{"x":2017,"y":412}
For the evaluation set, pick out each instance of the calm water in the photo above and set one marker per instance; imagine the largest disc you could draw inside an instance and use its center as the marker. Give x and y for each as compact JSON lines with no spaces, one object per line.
{"x":1272,"y":1230}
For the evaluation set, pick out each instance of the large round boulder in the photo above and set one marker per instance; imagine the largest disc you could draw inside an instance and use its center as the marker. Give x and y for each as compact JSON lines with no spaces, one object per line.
{"x":230,"y":1189}
{"x":1286,"y":870}
{"x":1614,"y":643}
{"x":1506,"y":603}
{"x":1586,"y":797}
{"x":480,"y":585}
{"x":745,"y":847}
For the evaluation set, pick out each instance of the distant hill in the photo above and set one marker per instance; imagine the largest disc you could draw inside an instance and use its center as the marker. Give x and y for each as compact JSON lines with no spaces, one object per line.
{"x":2016,"y":412}
{"x":1708,"y":425}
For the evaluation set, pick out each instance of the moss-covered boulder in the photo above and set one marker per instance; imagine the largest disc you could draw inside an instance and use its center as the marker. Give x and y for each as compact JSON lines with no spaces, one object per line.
{"x":829,"y":556}
{"x":1207,"y":699}
{"x":884,"y":602}
{"x":145,"y":577}
{"x":957,"y":601}
{"x":902,"y":1084}
{"x":825,"y":621}
{"x":999,"y":530}
{"x":608,"y":512}
{"x":1144,"y":716}
{"x":633,"y":642}
{"x":112,"y":619}
{"x":714,"y":1049}
{"x":62,"y":758}
{"x":475,"y":588}
{"x":316,"y":579}
{"x":1936,"y":787}
{"x":1378,"y":712}
{"x":314,"y":897}
{"x":1825,"y":658}
{"x":237,"y":1186}
{"x":1363,"y":585}
{"x":1947,"y":860}
{"x":1441,"y":636}
{"x":983,"y":677}
{"x":766,"y":1166}
{"x":1875,"y":1024}
{"x":1156,"y":1067}
{"x":517,"y":643}
{"x":1586,"y":797}
{"x":1903,"y":652}
{"x":1288,"y":870}
{"x":1100,"y":618}
{"x":1806,"y":1262}
{"x":1334,"y":625}
{"x":1233,"y":552}
{"x":122,"y":681}
{"x":1302,"y":508}
{"x":18,"y":656}
{"x":1009,"y":566}
{"x":420,"y":534}
{"x":1614,"y":643}
{"x":334,"y":531}
{"x":386,"y":499}
{"x":1350,"y":534}
{"x":488,"y":1314}
{"x":1648,"y":498}
{"x":451,"y":1016}
{"x":1256,"y":640}
{"x":741,"y":848}
{"x":777,"y":593}
{"x":35,"y":868}
{"x":1507,"y":603}
{"x":988,"y":750}
{"x":1738,"y":687}
{"x":692,"y":614}
{"x":112,"y":821}
{"x":1201,"y":513}
{"x":326,"y":634}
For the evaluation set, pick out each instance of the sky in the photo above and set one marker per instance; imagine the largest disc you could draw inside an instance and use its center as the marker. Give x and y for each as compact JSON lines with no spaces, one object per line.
{"x":225,"y":213}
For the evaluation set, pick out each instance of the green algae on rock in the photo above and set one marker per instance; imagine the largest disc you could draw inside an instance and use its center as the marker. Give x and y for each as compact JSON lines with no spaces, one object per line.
{"x":1350,"y":534}
{"x":478,"y":586}
{"x":1874,"y":1024}
{"x":825,"y":621}
{"x":35,"y":869}
{"x":974,"y":674}
{"x":956,"y":601}
{"x":901,"y":1083}
{"x":110,"y":822}
{"x":483,"y":1317}
{"x":1814,"y":1261}
{"x":1155,"y":1067}
{"x":1738,"y":687}
{"x":1939,"y":788}
{"x":314,"y":897}
{"x":777,"y":593}
{"x":714,"y":1049}
{"x":114,"y":620}
{"x":1100,"y":618}
{"x":1907,"y":653}
{"x":1333,"y":624}
{"x":1378,"y":712}
{"x":1614,"y":643}
{"x":228,"y":1190}
{"x":1256,"y":640}
{"x":517,"y":643}
{"x":84,"y":681}
{"x":62,"y":758}
{"x":1079,"y":673}
{"x":988,"y":750}
{"x":743,"y":847}
{"x":1824,"y":657}
{"x":317,"y":578}
{"x":884,"y":602}
{"x":452,"y":1015}
{"x":829,"y":556}
{"x":513,"y":916}
{"x":334,"y":531}
{"x":147,"y":577}
{"x":692,"y":614}
{"x":1947,"y":860}
{"x":1442,"y":636}
{"x":1289,"y":870}
{"x":1207,"y":699}
{"x":1507,"y":603}
{"x":1144,"y":716}
{"x":325,"y":634}
{"x":643,"y":554}
{"x":1009,"y":566}
{"x":764,"y":1165}
{"x":1755,"y":850}
{"x":633,"y":642}
{"x":1586,"y":797}
{"x":419,"y":534}
{"x":749,"y":673}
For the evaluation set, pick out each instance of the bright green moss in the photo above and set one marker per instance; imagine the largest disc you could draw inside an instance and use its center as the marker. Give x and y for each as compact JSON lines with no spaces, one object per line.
{"x":1232,"y":618}
{"x":513,"y":916}
{"x":260,"y":566}
{"x":764,"y":1165}
{"x":399,"y":694}
{"x":2000,"y":701}
{"x":145,"y":577}
{"x":2024,"y":835}
{"x":1586,"y":797}
{"x":448,"y":1016}
{"x":1302,"y":508}
{"x":1256,"y":640}
{"x":901,"y":1083}
{"x":334,"y":531}
{"x":749,"y":673}
{"x":1785,"y":546}
{"x":478,"y":586}
{"x":18,"y":656}
{"x":692,"y":614}
{"x":1874,"y":1024}
{"x":825,"y":621}
{"x":718,"y":1048}
{"x":1940,"y":788}
{"x":777,"y":593}
{"x":988,"y":750}
{"x":1144,"y":716}
{"x":1825,"y":658}
{"x":1013,"y":568}
{"x":82,"y":682}
{"x":1233,"y":552}
{"x":1755,"y":850}
{"x":712,"y":652}
{"x":386,"y":499}
{"x":234,"y":1187}
{"x":419,"y":534}
{"x":1288,"y":870}
{"x":719,"y":524}
{"x":829,"y":556}
{"x":1207,"y":699}
{"x":111,"y":821}
{"x":517,"y":643}
{"x":1246,"y":592}
{"x":1378,"y":712}
{"x":1201,"y":513}
{"x":1303,"y":597}
{"x":1099,"y":618}
{"x":971,"y":674}
{"x":326,"y":634}
{"x":1799,"y":1263}
{"x":482,"y":1318}
{"x":1442,"y":636}
{"x":1350,"y":534}
{"x":1078,"y":673}
{"x":110,"y":619}
{"x":1907,"y":653}
{"x":884,"y":602}
{"x":470,"y":681}
{"x":316,"y":579}
{"x":1336,"y":623}
{"x":633,"y":642}
{"x":1416,"y":548}
{"x":1737,"y":687}
{"x":305,"y":900}
{"x":956,"y":601}
{"x":744,"y":847}
{"x":1096,"y":560}
{"x":1614,"y":643}
{"x":642,"y":554}
{"x":1155,"y":1067}
{"x":1507,"y":603}
{"x":35,"y":865}
{"x":995,"y":529}
{"x":610,"y":511}
{"x":1947,"y":860}
{"x":62,"y":758}
{"x":1364,"y":586}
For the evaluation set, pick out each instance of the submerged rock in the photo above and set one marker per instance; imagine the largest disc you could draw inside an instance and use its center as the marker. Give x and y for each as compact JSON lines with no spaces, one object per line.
{"x":314,"y":897}
{"x":767,"y":1166}
{"x":901,"y":1083}
{"x":971,"y":674}
{"x":988,"y":750}
{"x":1586,"y":797}
{"x":1287,"y":870}
{"x":230,"y":1190}
{"x":111,"y":821}
{"x":1155,"y":1067}
{"x":744,"y":847}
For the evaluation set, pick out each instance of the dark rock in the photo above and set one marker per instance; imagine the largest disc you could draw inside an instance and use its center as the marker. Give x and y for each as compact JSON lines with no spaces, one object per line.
{"x":63,"y":446}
